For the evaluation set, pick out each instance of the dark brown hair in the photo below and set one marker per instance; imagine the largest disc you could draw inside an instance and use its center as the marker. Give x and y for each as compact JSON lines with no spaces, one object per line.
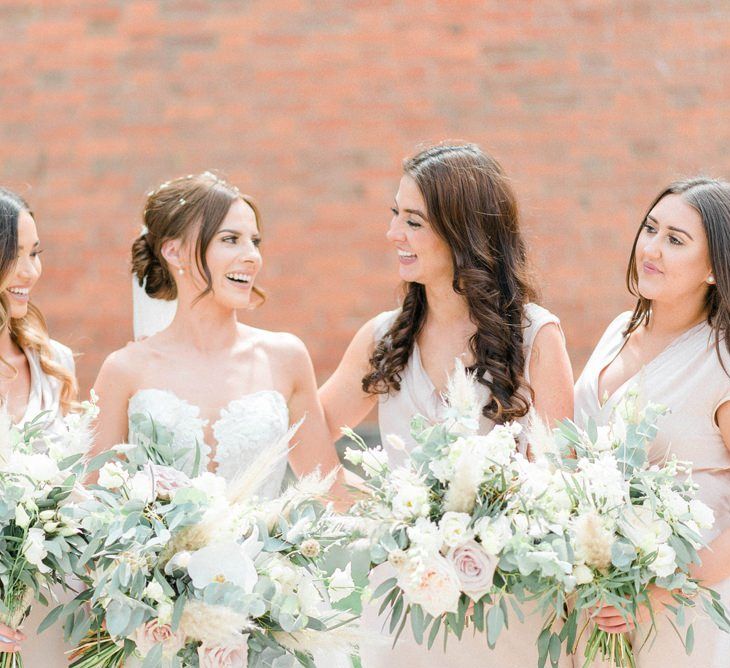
{"x":471,"y":206}
{"x":711,"y":199}
{"x":29,"y":332}
{"x":175,"y":210}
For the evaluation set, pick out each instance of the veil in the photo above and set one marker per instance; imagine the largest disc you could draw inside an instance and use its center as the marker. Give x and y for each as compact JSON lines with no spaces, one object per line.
{"x":149,"y":315}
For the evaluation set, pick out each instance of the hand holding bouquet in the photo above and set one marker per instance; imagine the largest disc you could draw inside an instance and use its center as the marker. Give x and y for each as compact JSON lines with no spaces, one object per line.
{"x":41,"y":466}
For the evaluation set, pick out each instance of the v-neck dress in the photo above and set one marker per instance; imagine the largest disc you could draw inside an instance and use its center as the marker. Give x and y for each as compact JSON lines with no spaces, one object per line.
{"x":517,"y":646}
{"x":688,"y":378}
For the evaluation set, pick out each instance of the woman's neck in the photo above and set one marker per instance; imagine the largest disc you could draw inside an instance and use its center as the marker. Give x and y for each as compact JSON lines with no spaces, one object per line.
{"x":446,"y":307}
{"x":8,"y":347}
{"x":205,"y":325}
{"x":673,"y":319}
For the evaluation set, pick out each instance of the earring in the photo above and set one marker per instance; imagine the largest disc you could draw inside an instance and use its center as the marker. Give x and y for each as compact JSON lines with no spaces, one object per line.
{"x":180,"y":271}
{"x":711,"y":279}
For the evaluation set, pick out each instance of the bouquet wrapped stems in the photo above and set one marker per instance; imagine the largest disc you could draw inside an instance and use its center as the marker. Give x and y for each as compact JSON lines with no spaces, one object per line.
{"x":16,"y":602}
{"x":613,"y":647}
{"x":98,"y":650}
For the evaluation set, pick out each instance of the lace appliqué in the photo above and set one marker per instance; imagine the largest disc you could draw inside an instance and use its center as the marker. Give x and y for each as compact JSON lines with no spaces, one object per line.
{"x":246,"y":425}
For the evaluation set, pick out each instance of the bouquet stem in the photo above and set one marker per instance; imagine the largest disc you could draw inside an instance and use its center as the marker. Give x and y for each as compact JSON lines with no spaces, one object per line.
{"x":97,"y":650}
{"x":17,"y":603}
{"x":613,"y":647}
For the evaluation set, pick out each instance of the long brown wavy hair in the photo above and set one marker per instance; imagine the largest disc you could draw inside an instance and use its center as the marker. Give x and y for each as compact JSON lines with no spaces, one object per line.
{"x":470,"y":204}
{"x":711,"y":199}
{"x":29,"y":332}
{"x":193,"y":204}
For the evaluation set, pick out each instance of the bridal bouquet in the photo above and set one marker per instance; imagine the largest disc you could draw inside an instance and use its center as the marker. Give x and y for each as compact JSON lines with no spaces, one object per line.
{"x":622,"y":526}
{"x":440,"y":519}
{"x":194,"y":571}
{"x":41,"y":466}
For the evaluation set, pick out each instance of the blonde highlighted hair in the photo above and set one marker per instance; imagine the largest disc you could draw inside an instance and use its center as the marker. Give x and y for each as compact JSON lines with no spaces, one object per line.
{"x":30,"y":332}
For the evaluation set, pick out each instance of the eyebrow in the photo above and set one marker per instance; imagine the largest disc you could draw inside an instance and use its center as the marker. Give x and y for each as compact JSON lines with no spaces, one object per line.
{"x":238,"y":233}
{"x":35,"y":245}
{"x":671,"y":227}
{"x":415,"y":212}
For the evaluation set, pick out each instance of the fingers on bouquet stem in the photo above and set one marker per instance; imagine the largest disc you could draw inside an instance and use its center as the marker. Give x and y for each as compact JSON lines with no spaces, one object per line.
{"x":10,"y":639}
{"x":609,"y":619}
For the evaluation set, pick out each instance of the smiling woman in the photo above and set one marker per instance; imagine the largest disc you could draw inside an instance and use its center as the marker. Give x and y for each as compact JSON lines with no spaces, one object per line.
{"x":223,"y":389}
{"x":36,"y":376}
{"x":674,"y":350}
{"x":468,"y":294}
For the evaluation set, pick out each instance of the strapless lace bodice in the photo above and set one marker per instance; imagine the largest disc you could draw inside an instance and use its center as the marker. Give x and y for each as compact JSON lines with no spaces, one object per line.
{"x":245,"y":426}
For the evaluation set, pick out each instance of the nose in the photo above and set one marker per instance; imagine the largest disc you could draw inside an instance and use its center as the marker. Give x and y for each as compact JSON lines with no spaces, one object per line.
{"x":27,"y":269}
{"x":652,"y":246}
{"x":395,"y":231}
{"x":251,"y":254}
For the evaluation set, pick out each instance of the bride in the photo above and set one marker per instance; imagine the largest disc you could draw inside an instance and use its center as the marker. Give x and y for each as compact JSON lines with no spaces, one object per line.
{"x":218,"y":385}
{"x":215,"y":383}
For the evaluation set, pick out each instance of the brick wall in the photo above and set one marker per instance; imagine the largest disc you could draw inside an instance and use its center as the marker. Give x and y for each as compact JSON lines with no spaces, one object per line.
{"x":591,"y":105}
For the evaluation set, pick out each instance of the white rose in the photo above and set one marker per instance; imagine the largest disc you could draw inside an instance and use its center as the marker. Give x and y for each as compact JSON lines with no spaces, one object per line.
{"x":433,"y":584}
{"x":411,"y":500}
{"x":474,"y":568}
{"x":493,"y":533}
{"x":38,"y":467}
{"x":34,"y":549}
{"x":213,"y":485}
{"x":141,"y":487}
{"x":702,"y":514}
{"x":425,"y":536}
{"x":454,"y":529}
{"x":112,"y":475}
{"x":154,"y":591}
{"x":665,"y":563}
{"x":165,"y":610}
{"x":674,"y":504}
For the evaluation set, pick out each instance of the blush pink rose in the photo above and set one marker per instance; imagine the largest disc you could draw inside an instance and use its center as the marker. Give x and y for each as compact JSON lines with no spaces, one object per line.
{"x":474,"y":568}
{"x":231,"y":656}
{"x":168,"y":480}
{"x":150,"y":634}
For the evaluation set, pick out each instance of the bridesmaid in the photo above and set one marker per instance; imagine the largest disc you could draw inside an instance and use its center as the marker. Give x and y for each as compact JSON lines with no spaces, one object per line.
{"x":674,"y":348}
{"x":36,"y":374}
{"x":468,"y":294}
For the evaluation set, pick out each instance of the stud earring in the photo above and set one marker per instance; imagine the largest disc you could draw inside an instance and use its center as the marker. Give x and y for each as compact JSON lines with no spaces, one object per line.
{"x":180,"y":271}
{"x":711,"y":279}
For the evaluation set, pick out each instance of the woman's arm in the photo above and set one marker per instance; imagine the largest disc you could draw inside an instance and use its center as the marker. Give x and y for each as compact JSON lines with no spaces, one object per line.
{"x":715,"y":566}
{"x":551,"y":375}
{"x":312,"y":445}
{"x":113,"y":386}
{"x":343,"y":399}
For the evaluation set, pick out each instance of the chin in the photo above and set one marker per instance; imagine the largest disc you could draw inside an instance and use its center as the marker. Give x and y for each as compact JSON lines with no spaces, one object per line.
{"x":18,"y":312}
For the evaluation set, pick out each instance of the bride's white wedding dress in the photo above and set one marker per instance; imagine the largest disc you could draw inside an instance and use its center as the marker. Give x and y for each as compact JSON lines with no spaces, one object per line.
{"x":245,"y":426}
